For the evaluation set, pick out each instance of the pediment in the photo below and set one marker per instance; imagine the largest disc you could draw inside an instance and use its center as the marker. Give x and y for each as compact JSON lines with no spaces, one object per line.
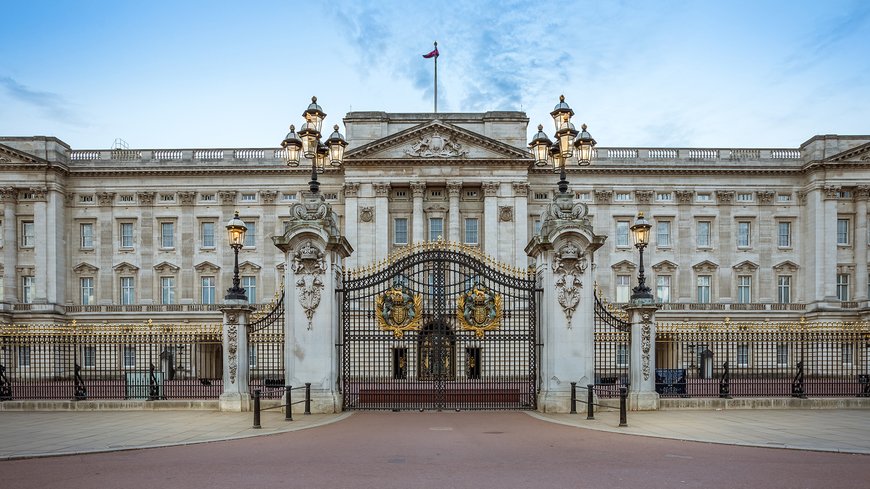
{"x":125,"y":267}
{"x":705,"y":266}
{"x":665,"y":266}
{"x":624,"y":266}
{"x":435,"y":141}
{"x":746,"y":266}
{"x":13,"y":157}
{"x":165,"y":267}
{"x":248,"y":267}
{"x":206,"y":267}
{"x":85,"y":267}
{"x":858,"y":154}
{"x":786,"y":266}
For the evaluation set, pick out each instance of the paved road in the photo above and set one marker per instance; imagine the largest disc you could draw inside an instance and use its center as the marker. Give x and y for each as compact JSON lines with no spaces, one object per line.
{"x":413,"y":450}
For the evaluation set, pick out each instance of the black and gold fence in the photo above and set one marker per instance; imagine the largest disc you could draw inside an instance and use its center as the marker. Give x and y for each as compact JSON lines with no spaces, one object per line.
{"x":612,"y":347}
{"x":763,"y":359}
{"x":266,"y":349}
{"x":144,"y":361}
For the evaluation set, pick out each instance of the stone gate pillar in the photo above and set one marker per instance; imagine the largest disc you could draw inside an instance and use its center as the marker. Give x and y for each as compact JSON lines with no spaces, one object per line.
{"x":563,"y":254}
{"x":237,"y":390}
{"x":313,"y":251}
{"x":642,"y":395}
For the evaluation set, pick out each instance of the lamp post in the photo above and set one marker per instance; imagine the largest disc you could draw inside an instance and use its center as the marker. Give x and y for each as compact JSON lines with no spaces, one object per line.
{"x":568,"y":142}
{"x":307,"y":143}
{"x":236,"y":229}
{"x":640,"y":233}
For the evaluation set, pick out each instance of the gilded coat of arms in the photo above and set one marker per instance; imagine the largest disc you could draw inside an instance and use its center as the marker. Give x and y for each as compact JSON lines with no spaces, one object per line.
{"x":479,"y":310}
{"x":399,"y":310}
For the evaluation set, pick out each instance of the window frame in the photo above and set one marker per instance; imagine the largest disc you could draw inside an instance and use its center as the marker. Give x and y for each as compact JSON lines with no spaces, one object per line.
{"x":663,"y":287}
{"x":28,"y":289}
{"x":432,"y":221}
{"x":211,"y":288}
{"x":202,"y":235}
{"x":167,"y":290}
{"x":779,"y":235}
{"x":83,"y":237}
{"x":667,"y":234}
{"x":744,"y":290}
{"x":708,"y":234}
{"x":708,"y":286}
{"x":623,"y":290}
{"x":252,"y":297}
{"x":164,"y":225}
{"x":28,"y":240}
{"x":847,"y":234}
{"x":83,"y":286}
{"x":780,"y":287}
{"x":475,"y":232}
{"x":623,"y":234}
{"x":396,"y":221}
{"x":250,"y":234}
{"x":131,"y":296}
{"x":744,"y":240}
{"x":132,"y":235}
{"x":843,"y":287}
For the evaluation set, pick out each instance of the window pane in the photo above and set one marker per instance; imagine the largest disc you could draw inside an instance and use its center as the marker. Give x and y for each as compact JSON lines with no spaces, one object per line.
{"x":87,"y":285}
{"x":401,"y":229}
{"x":623,"y":288}
{"x":167,"y":230}
{"x":471,"y":231}
{"x":251,"y":234}
{"x":784,"y":290}
{"x":743,"y":234}
{"x":784,"y":234}
{"x":744,"y":291}
{"x":250,"y":286}
{"x":208,"y":235}
{"x":127,"y":235}
{"x":168,"y":290}
{"x":842,"y":231}
{"x":208,"y":292}
{"x":28,"y":289}
{"x":782,"y":354}
{"x":90,"y":354}
{"x":704,"y":289}
{"x":704,"y":233}
{"x":127,"y":292}
{"x":743,"y":355}
{"x":664,"y":233}
{"x":87,"y":235}
{"x":842,"y":287}
{"x":622,"y":233}
{"x":27,"y":234}
{"x":436,"y":229}
{"x":129,"y":356}
{"x":663,"y":288}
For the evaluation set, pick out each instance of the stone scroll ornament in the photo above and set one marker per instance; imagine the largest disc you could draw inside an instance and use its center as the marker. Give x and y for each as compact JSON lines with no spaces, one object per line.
{"x":645,"y":344}
{"x":233,"y":345}
{"x":436,"y":145}
{"x":568,"y":265}
{"x":479,"y":310}
{"x":309,"y":266}
{"x":399,"y":310}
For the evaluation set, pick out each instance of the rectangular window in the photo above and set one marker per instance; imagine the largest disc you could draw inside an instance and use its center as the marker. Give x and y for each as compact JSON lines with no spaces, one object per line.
{"x":663,"y":197}
{"x":583,"y":196}
{"x":252,"y":355}
{"x":663,"y":288}
{"x":87,"y":235}
{"x":783,"y":289}
{"x":27,"y":234}
{"x":842,"y":287}
{"x":87,"y":286}
{"x":782,"y":354}
{"x":704,"y":289}
{"x":663,"y":229}
{"x":167,"y":233}
{"x":544,"y":196}
{"x":129,"y":356}
{"x":471,"y":193}
{"x":126,"y":198}
{"x":250,"y":286}
{"x":704,"y":233}
{"x":251,"y":234}
{"x":126,"y":235}
{"x":208,"y":290}
{"x":400,"y":229}
{"x":744,"y":197}
{"x":127,"y":291}
{"x":471,"y":231}
{"x":703,"y":197}
{"x":249,"y":197}
{"x":167,"y":286}
{"x":623,"y":288}
{"x":847,"y":353}
{"x":743,"y":354}
{"x":784,"y":235}
{"x":842,"y":231}
{"x":783,"y":198}
{"x":28,"y":290}
{"x":87,"y":198}
{"x":622,"y":234}
{"x":208,"y":235}
{"x":622,"y":355}
{"x":744,"y":289}
{"x":623,"y":196}
{"x":537,"y":228}
{"x":289,"y":196}
{"x":23,"y":356}
{"x":207,"y":197}
{"x":844,"y":194}
{"x":90,"y":356}
{"x":167,"y":198}
{"x":436,"y":229}
{"x":743,"y":234}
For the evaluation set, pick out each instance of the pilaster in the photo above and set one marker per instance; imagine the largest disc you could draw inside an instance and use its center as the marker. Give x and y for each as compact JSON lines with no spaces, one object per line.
{"x":105,"y":249}
{"x":145,"y":237}
{"x":862,"y":194}
{"x":419,"y":233}
{"x":237,"y":390}
{"x":521,"y":219}
{"x":41,"y":244}
{"x":10,"y":245}
{"x":351,"y":218}
{"x":642,"y":396}
{"x":686,"y":244}
{"x":454,"y":190}
{"x":382,"y":221}
{"x":490,"y":218}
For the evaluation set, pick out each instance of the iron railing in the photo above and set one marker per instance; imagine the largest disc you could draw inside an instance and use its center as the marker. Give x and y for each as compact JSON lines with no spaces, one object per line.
{"x":612,"y":347}
{"x":266,"y":348}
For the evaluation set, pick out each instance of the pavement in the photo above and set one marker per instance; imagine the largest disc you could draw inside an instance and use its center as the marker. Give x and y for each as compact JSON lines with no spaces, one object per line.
{"x":45,"y":434}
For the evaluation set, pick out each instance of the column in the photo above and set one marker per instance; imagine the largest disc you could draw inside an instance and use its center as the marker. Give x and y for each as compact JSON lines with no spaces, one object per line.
{"x":725,"y":247}
{"x":10,"y":245}
{"x":105,"y":251}
{"x":57,"y":261}
{"x":351,"y":219}
{"x":521,"y":223}
{"x":766,"y":234}
{"x":236,"y":395}
{"x":862,"y":194}
{"x":188,"y":233}
{"x":419,"y":234}
{"x":40,"y":249}
{"x":823,"y":212}
{"x":490,"y":218}
{"x":454,"y":190}
{"x":382,"y":221}
{"x":642,"y":396}
{"x":686,"y":244}
{"x":145,"y":279}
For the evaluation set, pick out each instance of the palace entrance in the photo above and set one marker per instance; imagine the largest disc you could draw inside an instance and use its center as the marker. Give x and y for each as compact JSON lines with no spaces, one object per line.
{"x":441,"y":327}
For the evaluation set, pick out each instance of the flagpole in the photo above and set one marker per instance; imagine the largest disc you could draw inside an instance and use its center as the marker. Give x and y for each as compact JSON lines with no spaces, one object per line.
{"x":436,"y":79}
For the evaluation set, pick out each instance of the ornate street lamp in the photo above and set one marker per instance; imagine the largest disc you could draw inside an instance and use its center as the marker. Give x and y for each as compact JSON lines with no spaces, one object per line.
{"x":307,"y":143}
{"x":236,"y":229}
{"x":540,"y":147}
{"x":640,"y":232}
{"x":584,"y":145}
{"x":568,"y":142}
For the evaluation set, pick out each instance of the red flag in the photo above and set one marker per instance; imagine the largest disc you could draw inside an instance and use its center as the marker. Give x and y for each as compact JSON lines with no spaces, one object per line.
{"x":433,"y":54}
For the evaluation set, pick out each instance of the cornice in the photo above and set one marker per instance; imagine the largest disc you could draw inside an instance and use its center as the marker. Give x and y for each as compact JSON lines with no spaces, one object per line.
{"x":30,"y":161}
{"x":849,"y":153}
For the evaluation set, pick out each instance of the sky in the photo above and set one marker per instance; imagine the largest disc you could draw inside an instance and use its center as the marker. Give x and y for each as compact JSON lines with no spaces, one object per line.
{"x":706,"y":74}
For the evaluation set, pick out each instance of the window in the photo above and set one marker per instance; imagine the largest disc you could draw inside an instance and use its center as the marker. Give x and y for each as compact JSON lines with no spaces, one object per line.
{"x":251,"y":234}
{"x":129,"y":356}
{"x":252,"y":355}
{"x":704,"y":288}
{"x":87,"y":286}
{"x":87,"y":231}
{"x":90,"y":356}
{"x":207,"y":197}
{"x":87,"y":198}
{"x":23,"y":356}
{"x":126,"y":235}
{"x":623,"y":196}
{"x":663,"y":288}
{"x":844,"y":194}
{"x":622,"y":234}
{"x":167,"y":230}
{"x":208,"y":290}
{"x":330,"y":196}
{"x":543,"y":196}
{"x":663,"y":197}
{"x":842,"y":231}
{"x":208,"y":235}
{"x":249,"y":197}
{"x":250,"y":286}
{"x":436,"y":229}
{"x":471,"y":193}
{"x":167,"y":198}
{"x":704,"y":233}
{"x":623,"y":288}
{"x":744,"y":289}
{"x":743,"y":234}
{"x":783,"y":292}
{"x":537,"y":228}
{"x":400,"y":229}
{"x":784,"y":235}
{"x":1,"y":234}
{"x":28,"y":289}
{"x":743,"y":354}
{"x":471,"y":231}
{"x":782,"y":354}
{"x":289,"y":196}
{"x":127,"y":291}
{"x":744,"y":197}
{"x":167,"y":286}
{"x":847,"y":353}
{"x":783,"y":198}
{"x":435,"y":193}
{"x":126,"y":198}
{"x":27,"y":234}
{"x":842,"y":287}
{"x":663,"y":229}
{"x":703,"y":197}
{"x":622,"y":355}
{"x":583,"y":196}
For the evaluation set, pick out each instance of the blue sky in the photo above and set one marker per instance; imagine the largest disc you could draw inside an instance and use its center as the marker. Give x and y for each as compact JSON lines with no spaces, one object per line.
{"x":237,"y":74}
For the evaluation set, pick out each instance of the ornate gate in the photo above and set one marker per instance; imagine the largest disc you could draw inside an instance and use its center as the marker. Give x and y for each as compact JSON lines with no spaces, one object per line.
{"x":439,"y":326}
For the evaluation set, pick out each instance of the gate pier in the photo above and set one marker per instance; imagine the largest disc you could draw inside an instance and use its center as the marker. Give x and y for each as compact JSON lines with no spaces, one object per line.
{"x":236,"y":378}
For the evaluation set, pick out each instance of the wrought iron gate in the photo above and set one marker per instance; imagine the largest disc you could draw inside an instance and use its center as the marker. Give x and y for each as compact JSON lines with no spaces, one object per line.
{"x":439,"y":326}
{"x":612,"y":347}
{"x":266,"y":348}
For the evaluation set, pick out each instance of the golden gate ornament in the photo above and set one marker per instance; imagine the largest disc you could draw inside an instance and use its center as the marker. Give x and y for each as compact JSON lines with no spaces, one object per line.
{"x":479,"y":310}
{"x":398,"y":310}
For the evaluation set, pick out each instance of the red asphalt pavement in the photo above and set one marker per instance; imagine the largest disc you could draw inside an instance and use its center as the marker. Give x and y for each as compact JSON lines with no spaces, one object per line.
{"x":449,"y":449}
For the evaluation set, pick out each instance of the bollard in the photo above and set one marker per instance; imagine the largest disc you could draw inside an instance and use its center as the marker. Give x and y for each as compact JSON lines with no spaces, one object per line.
{"x":573,"y":397}
{"x":590,"y":407}
{"x":288,"y":411}
{"x":257,"y":409}
{"x":308,"y":398}
{"x":623,"y":396}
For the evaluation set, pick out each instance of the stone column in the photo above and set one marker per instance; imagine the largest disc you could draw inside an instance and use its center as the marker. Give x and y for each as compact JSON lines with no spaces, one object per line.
{"x":145,"y":279}
{"x":521,"y":220}
{"x":351,"y":218}
{"x":382,"y":220}
{"x":767,"y":235}
{"x":10,"y":245}
{"x":862,"y":194}
{"x":419,"y":234}
{"x":188,"y":234}
{"x":41,"y":244}
{"x":454,"y":190}
{"x":826,"y":251}
{"x":237,"y":389}
{"x":642,"y":395}
{"x":490,"y":218}
{"x":725,"y":247}
{"x":686,"y":245}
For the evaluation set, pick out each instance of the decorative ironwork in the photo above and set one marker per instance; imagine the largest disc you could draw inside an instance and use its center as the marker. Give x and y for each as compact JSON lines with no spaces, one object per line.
{"x":266,"y":347}
{"x":612,"y":347}
{"x":399,"y":310}
{"x":479,"y":310}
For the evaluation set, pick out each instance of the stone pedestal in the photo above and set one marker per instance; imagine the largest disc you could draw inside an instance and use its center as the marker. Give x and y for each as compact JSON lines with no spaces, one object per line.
{"x":642,"y":395}
{"x":237,"y":389}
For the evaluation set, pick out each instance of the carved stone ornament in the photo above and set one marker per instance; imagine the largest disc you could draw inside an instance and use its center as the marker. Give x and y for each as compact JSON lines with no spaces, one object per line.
{"x":645,"y":344}
{"x":10,"y":195}
{"x":187,"y":197}
{"x":232,"y":346}
{"x":725,"y":196}
{"x":437,"y":146}
{"x":382,"y":189}
{"x":521,"y":189}
{"x":366,"y":213}
{"x":309,"y":264}
{"x":506,"y":213}
{"x":227,"y":196}
{"x":603,"y":196}
{"x":643,"y":196}
{"x":418,"y":189}
{"x":454,"y":188}
{"x":351,"y":189}
{"x":685,"y":196}
{"x":39,"y":193}
{"x":569,"y":263}
{"x":862,"y":192}
{"x":490,"y":189}
{"x":802,"y":197}
{"x":145,"y":198}
{"x":831,"y":192}
{"x":268,"y":196}
{"x":766,"y":196}
{"x":69,"y":198}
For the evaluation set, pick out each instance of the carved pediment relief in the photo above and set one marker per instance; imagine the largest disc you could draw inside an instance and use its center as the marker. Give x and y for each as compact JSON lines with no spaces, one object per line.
{"x":126,"y":268}
{"x":85,"y":268}
{"x":786,"y":267}
{"x":705,"y":266}
{"x":624,"y":266}
{"x":665,"y":266}
{"x":745,"y":267}
{"x":207,"y":267}
{"x":248,"y":267}
{"x":166,"y":267}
